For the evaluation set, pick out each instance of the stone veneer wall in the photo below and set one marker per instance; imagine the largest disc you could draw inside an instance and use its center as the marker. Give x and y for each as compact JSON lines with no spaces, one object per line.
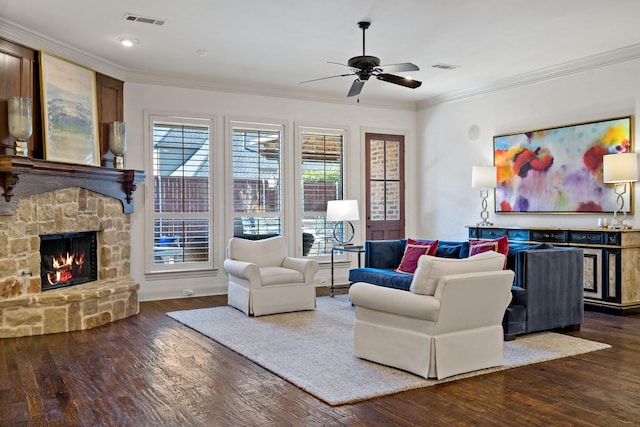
{"x":24,"y":309}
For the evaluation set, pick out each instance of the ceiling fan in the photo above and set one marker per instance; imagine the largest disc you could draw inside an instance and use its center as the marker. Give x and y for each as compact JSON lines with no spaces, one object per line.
{"x":365,"y":66}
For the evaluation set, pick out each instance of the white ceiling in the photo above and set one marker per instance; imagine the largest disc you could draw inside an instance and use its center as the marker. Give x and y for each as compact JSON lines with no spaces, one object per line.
{"x":269,"y":46}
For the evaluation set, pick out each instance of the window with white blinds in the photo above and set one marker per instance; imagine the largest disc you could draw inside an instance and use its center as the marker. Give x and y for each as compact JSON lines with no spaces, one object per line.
{"x":322,"y":166}
{"x":256,"y":174}
{"x":182,"y":196}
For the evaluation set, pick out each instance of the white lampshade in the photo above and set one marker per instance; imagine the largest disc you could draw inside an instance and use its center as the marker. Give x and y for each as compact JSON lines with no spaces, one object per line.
{"x":622,"y":167}
{"x":483,"y":177}
{"x":342,"y":210}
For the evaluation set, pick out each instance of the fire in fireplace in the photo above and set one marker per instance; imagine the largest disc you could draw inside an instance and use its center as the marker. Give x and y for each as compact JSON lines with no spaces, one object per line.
{"x":68,"y":259}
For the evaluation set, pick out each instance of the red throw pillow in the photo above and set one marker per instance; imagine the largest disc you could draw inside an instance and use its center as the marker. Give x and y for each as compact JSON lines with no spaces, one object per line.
{"x":413,"y":251}
{"x":500,"y":245}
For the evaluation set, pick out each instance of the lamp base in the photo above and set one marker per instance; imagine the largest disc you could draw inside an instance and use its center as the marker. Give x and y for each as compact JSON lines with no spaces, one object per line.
{"x":336,"y":233}
{"x":484,"y":214}
{"x":620,"y":189}
{"x":484,"y":224}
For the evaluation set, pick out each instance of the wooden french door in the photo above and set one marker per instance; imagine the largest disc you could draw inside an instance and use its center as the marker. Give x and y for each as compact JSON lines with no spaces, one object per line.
{"x":385,"y":186}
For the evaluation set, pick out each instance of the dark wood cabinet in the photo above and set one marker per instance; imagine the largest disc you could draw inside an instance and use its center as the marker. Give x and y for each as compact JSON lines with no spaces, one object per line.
{"x":110,"y":97}
{"x":17,"y":66}
{"x":611,"y":261}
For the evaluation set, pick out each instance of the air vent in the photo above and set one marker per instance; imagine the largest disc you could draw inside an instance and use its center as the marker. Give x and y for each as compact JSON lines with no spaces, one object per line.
{"x":445,"y":66}
{"x":144,"y":19}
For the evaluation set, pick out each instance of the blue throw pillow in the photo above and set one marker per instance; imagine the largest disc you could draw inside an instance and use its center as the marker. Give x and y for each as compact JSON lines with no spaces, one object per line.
{"x":452,"y":249}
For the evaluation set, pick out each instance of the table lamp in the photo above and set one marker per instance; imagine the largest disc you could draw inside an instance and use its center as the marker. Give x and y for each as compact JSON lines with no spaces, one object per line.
{"x":342,"y":211}
{"x":483,"y":177}
{"x":620,"y":169}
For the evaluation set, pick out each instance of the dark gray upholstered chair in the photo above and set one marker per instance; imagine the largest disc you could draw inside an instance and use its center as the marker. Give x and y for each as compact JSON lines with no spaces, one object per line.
{"x":552,"y":280}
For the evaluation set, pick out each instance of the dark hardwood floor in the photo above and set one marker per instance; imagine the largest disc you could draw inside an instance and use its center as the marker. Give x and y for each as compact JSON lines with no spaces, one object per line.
{"x":150,"y":370}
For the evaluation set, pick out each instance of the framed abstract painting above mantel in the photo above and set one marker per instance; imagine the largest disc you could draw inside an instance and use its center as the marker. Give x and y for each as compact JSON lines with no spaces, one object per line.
{"x":69,"y":111}
{"x":559,"y":169}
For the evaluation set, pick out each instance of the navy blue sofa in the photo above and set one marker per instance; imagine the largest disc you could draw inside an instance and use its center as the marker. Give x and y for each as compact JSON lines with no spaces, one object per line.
{"x":547,"y":290}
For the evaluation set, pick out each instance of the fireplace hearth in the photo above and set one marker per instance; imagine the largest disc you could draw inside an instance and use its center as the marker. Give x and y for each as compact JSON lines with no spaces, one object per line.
{"x":68,"y":259}
{"x":32,"y":299}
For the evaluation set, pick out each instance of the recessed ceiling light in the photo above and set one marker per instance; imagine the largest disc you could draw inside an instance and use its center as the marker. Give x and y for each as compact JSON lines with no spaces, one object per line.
{"x":127,"y":41}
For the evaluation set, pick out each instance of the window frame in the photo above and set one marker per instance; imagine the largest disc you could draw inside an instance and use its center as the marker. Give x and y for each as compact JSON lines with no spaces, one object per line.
{"x":196,"y":267}
{"x":252,"y":123}
{"x":300,"y":130}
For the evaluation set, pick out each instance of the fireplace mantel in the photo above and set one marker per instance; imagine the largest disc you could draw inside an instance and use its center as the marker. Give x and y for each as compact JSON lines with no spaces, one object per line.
{"x":25,"y":176}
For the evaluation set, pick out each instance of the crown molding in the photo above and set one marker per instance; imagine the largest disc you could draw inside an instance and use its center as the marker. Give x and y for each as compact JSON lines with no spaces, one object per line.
{"x":612,"y":57}
{"x":37,"y":41}
{"x":188,"y":82}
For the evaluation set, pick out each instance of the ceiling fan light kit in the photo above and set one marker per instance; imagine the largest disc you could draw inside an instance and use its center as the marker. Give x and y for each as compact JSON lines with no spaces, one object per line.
{"x":365,"y":66}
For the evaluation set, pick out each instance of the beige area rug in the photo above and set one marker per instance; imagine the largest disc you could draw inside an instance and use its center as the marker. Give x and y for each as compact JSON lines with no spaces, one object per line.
{"x":312,"y":349}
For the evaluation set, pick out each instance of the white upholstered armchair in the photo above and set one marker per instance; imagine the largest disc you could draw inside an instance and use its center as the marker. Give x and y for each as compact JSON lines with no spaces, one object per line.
{"x":450,"y":326}
{"x":263,"y":279}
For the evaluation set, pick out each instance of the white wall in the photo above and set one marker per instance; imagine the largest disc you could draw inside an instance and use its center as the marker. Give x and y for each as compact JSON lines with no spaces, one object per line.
{"x":446,"y":153}
{"x":142,"y":98}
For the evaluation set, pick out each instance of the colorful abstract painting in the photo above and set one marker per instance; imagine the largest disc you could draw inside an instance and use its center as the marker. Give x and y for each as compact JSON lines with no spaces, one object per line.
{"x":559,"y":170}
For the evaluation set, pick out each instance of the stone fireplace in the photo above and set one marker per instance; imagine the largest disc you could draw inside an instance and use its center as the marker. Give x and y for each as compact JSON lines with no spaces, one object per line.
{"x":25,"y":309}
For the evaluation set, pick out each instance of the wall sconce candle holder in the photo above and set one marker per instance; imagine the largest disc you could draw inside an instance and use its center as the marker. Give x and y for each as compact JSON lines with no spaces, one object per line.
{"x":118,"y":143}
{"x":20,"y":123}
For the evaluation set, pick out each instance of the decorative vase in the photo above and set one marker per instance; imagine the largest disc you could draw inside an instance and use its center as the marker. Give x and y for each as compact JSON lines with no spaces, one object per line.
{"x":117,"y":143}
{"x":20,"y":123}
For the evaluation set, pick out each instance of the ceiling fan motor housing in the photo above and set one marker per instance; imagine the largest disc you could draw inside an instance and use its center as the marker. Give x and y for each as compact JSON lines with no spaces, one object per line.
{"x":365,"y":65}
{"x":364,"y":62}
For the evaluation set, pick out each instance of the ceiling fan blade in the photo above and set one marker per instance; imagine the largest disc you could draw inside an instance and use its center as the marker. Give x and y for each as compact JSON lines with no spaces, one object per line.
{"x":356,"y":88}
{"x":399,"y":68}
{"x":330,"y":77}
{"x":402,"y":81}
{"x":337,"y":63}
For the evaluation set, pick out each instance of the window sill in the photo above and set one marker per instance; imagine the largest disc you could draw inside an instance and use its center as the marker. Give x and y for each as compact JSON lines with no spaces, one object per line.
{"x":180,"y":274}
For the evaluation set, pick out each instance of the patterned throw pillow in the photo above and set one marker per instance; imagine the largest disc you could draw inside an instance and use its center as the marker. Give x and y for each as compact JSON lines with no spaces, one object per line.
{"x":500,"y":245}
{"x":413,"y":251}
